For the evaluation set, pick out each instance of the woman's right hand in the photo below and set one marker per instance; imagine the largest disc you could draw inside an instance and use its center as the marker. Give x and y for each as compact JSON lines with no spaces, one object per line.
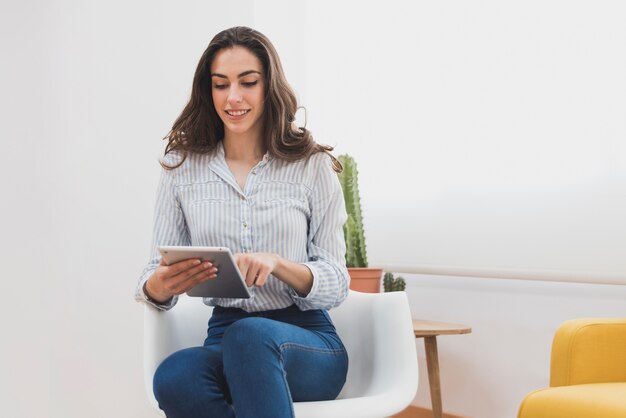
{"x":168,"y":281}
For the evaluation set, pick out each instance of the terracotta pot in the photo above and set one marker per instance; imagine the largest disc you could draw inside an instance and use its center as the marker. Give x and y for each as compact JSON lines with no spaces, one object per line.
{"x":365,"y":279}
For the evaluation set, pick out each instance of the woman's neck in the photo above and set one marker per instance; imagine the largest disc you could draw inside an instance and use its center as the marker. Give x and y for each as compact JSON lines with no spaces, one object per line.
{"x":244,"y":148}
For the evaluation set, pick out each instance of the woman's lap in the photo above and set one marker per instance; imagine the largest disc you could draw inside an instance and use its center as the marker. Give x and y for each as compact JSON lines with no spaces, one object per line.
{"x":314,"y":365}
{"x":265,"y":360}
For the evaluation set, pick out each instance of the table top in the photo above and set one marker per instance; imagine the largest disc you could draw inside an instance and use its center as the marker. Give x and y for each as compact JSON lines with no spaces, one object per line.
{"x":423,"y":328}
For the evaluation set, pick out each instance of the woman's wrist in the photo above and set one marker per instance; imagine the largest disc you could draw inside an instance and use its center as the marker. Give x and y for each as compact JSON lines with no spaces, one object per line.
{"x":278,"y":262}
{"x":296,"y":275}
{"x":150,"y":294}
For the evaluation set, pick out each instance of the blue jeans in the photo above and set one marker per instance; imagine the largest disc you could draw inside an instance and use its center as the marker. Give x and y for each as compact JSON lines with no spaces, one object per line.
{"x":254,"y":365}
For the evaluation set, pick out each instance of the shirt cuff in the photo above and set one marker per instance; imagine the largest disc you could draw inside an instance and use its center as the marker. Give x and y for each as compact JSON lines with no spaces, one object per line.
{"x":314,"y":286}
{"x":142,"y":296}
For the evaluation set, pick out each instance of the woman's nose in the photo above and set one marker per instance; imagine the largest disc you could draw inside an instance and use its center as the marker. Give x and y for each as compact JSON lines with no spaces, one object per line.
{"x":234,"y":96}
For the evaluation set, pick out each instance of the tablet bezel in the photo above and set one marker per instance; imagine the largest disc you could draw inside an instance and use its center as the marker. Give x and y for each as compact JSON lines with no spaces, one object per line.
{"x":229,"y":282}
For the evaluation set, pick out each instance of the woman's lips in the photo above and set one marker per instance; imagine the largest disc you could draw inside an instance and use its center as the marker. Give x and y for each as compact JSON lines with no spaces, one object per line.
{"x":236,"y":114}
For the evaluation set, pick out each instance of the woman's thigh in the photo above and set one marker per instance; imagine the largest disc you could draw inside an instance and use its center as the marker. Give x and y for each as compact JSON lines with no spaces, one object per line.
{"x":190,"y":374}
{"x":314,"y":363}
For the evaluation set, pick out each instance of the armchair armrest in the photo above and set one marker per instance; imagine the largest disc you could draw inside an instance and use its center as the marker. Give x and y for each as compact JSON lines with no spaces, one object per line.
{"x":591,"y":350}
{"x":168,"y":331}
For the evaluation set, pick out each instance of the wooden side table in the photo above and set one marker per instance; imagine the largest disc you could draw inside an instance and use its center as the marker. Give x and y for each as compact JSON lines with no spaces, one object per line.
{"x":429,"y":330}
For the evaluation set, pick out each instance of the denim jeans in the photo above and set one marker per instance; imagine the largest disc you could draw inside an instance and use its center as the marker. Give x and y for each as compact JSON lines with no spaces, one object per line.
{"x":254,"y":365}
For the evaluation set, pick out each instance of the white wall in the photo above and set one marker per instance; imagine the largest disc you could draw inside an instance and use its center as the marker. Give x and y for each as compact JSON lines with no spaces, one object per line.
{"x":88,"y":90}
{"x":489,"y":135}
{"x":490,"y":138}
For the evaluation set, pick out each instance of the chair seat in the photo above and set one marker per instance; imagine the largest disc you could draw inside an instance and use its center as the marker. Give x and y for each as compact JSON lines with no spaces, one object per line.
{"x":376,"y":329}
{"x":597,"y":400}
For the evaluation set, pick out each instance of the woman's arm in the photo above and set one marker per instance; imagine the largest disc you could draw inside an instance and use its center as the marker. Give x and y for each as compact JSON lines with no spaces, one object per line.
{"x":169,"y":229}
{"x":326,"y":245}
{"x":256,"y":267}
{"x":322,"y":281}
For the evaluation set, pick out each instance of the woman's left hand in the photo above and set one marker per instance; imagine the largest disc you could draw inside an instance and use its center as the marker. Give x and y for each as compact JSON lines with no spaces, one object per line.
{"x":256,"y":267}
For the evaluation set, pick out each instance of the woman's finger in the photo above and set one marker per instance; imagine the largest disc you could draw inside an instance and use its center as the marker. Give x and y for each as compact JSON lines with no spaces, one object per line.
{"x":179,"y":267}
{"x":172,"y":277}
{"x":243,"y":263}
{"x":252,"y":276}
{"x":192,"y":271}
{"x":192,"y":281}
{"x":262,"y":275}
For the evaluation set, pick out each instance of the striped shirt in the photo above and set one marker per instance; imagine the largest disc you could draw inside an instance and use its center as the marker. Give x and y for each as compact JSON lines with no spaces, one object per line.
{"x":294,"y":209}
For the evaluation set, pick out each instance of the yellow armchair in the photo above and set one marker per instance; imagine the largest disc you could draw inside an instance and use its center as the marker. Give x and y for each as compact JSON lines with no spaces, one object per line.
{"x":587,"y":373}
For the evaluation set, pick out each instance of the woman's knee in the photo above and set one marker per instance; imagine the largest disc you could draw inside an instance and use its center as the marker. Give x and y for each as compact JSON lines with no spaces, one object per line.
{"x":248,"y":339}
{"x":176,"y":378}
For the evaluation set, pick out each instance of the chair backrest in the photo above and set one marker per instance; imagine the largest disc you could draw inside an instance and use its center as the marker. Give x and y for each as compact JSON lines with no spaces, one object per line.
{"x":375,"y":328}
{"x":589,"y":350}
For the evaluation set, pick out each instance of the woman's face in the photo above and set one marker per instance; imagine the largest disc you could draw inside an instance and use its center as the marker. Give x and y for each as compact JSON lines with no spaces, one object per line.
{"x":237,"y":87}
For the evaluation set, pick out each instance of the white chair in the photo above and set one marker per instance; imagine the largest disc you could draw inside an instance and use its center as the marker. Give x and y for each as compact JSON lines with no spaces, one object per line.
{"x":376,"y":329}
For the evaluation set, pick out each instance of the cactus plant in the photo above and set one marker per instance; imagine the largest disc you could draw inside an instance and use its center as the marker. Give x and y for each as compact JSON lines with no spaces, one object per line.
{"x":356,"y":253}
{"x":393,"y":284}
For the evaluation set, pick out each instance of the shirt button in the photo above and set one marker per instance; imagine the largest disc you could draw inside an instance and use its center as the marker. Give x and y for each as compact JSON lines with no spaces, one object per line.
{"x":245,"y":225}
{"x":243,"y":197}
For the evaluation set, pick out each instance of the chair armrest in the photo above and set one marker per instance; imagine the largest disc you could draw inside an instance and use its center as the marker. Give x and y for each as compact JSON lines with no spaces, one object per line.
{"x":168,"y":331}
{"x":591,"y":350}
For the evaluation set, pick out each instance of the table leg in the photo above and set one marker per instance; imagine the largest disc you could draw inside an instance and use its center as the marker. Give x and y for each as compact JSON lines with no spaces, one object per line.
{"x":432,"y":363}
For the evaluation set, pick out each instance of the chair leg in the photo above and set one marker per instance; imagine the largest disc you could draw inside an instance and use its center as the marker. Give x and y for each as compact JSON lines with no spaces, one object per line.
{"x":432,"y":363}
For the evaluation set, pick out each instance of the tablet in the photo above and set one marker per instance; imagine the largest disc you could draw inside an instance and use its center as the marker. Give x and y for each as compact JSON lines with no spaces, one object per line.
{"x":229,"y":282}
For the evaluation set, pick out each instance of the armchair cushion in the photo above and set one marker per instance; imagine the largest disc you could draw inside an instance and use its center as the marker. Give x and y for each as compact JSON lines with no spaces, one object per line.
{"x":578,"y":401}
{"x":587,"y":373}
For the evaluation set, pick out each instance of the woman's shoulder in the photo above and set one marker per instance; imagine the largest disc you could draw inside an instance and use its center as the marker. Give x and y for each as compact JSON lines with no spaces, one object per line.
{"x":306,"y":166}
{"x":310,"y":172}
{"x":185,"y":166}
{"x":322,"y":164}
{"x":175,"y":157}
{"x":314,"y":162}
{"x":172,"y":158}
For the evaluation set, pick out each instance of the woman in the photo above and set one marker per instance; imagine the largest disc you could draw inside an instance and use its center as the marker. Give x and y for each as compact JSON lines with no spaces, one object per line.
{"x":239,"y":174}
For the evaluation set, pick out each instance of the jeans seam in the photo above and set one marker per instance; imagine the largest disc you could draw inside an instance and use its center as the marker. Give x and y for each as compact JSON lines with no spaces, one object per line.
{"x":311,"y":349}
{"x":285,"y":346}
{"x":285,"y":382}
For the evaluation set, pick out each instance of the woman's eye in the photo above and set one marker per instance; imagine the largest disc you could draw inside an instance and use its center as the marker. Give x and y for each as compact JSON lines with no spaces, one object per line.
{"x":219,"y":86}
{"x":249,"y":83}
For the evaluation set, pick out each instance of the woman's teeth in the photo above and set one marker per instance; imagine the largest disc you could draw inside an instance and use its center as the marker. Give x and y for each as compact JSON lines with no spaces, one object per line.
{"x":237,"y":112}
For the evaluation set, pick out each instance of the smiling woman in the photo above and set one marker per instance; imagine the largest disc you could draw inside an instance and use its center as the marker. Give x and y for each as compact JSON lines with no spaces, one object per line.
{"x":238,"y":173}
{"x":200,"y":127}
{"x":238,"y":96}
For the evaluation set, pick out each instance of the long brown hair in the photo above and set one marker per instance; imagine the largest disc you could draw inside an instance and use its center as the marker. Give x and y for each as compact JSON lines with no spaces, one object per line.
{"x":199,"y":129}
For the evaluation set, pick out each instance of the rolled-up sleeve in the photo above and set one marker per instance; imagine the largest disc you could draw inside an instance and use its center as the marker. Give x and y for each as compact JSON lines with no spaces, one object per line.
{"x":169,"y":229}
{"x":326,"y":243}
